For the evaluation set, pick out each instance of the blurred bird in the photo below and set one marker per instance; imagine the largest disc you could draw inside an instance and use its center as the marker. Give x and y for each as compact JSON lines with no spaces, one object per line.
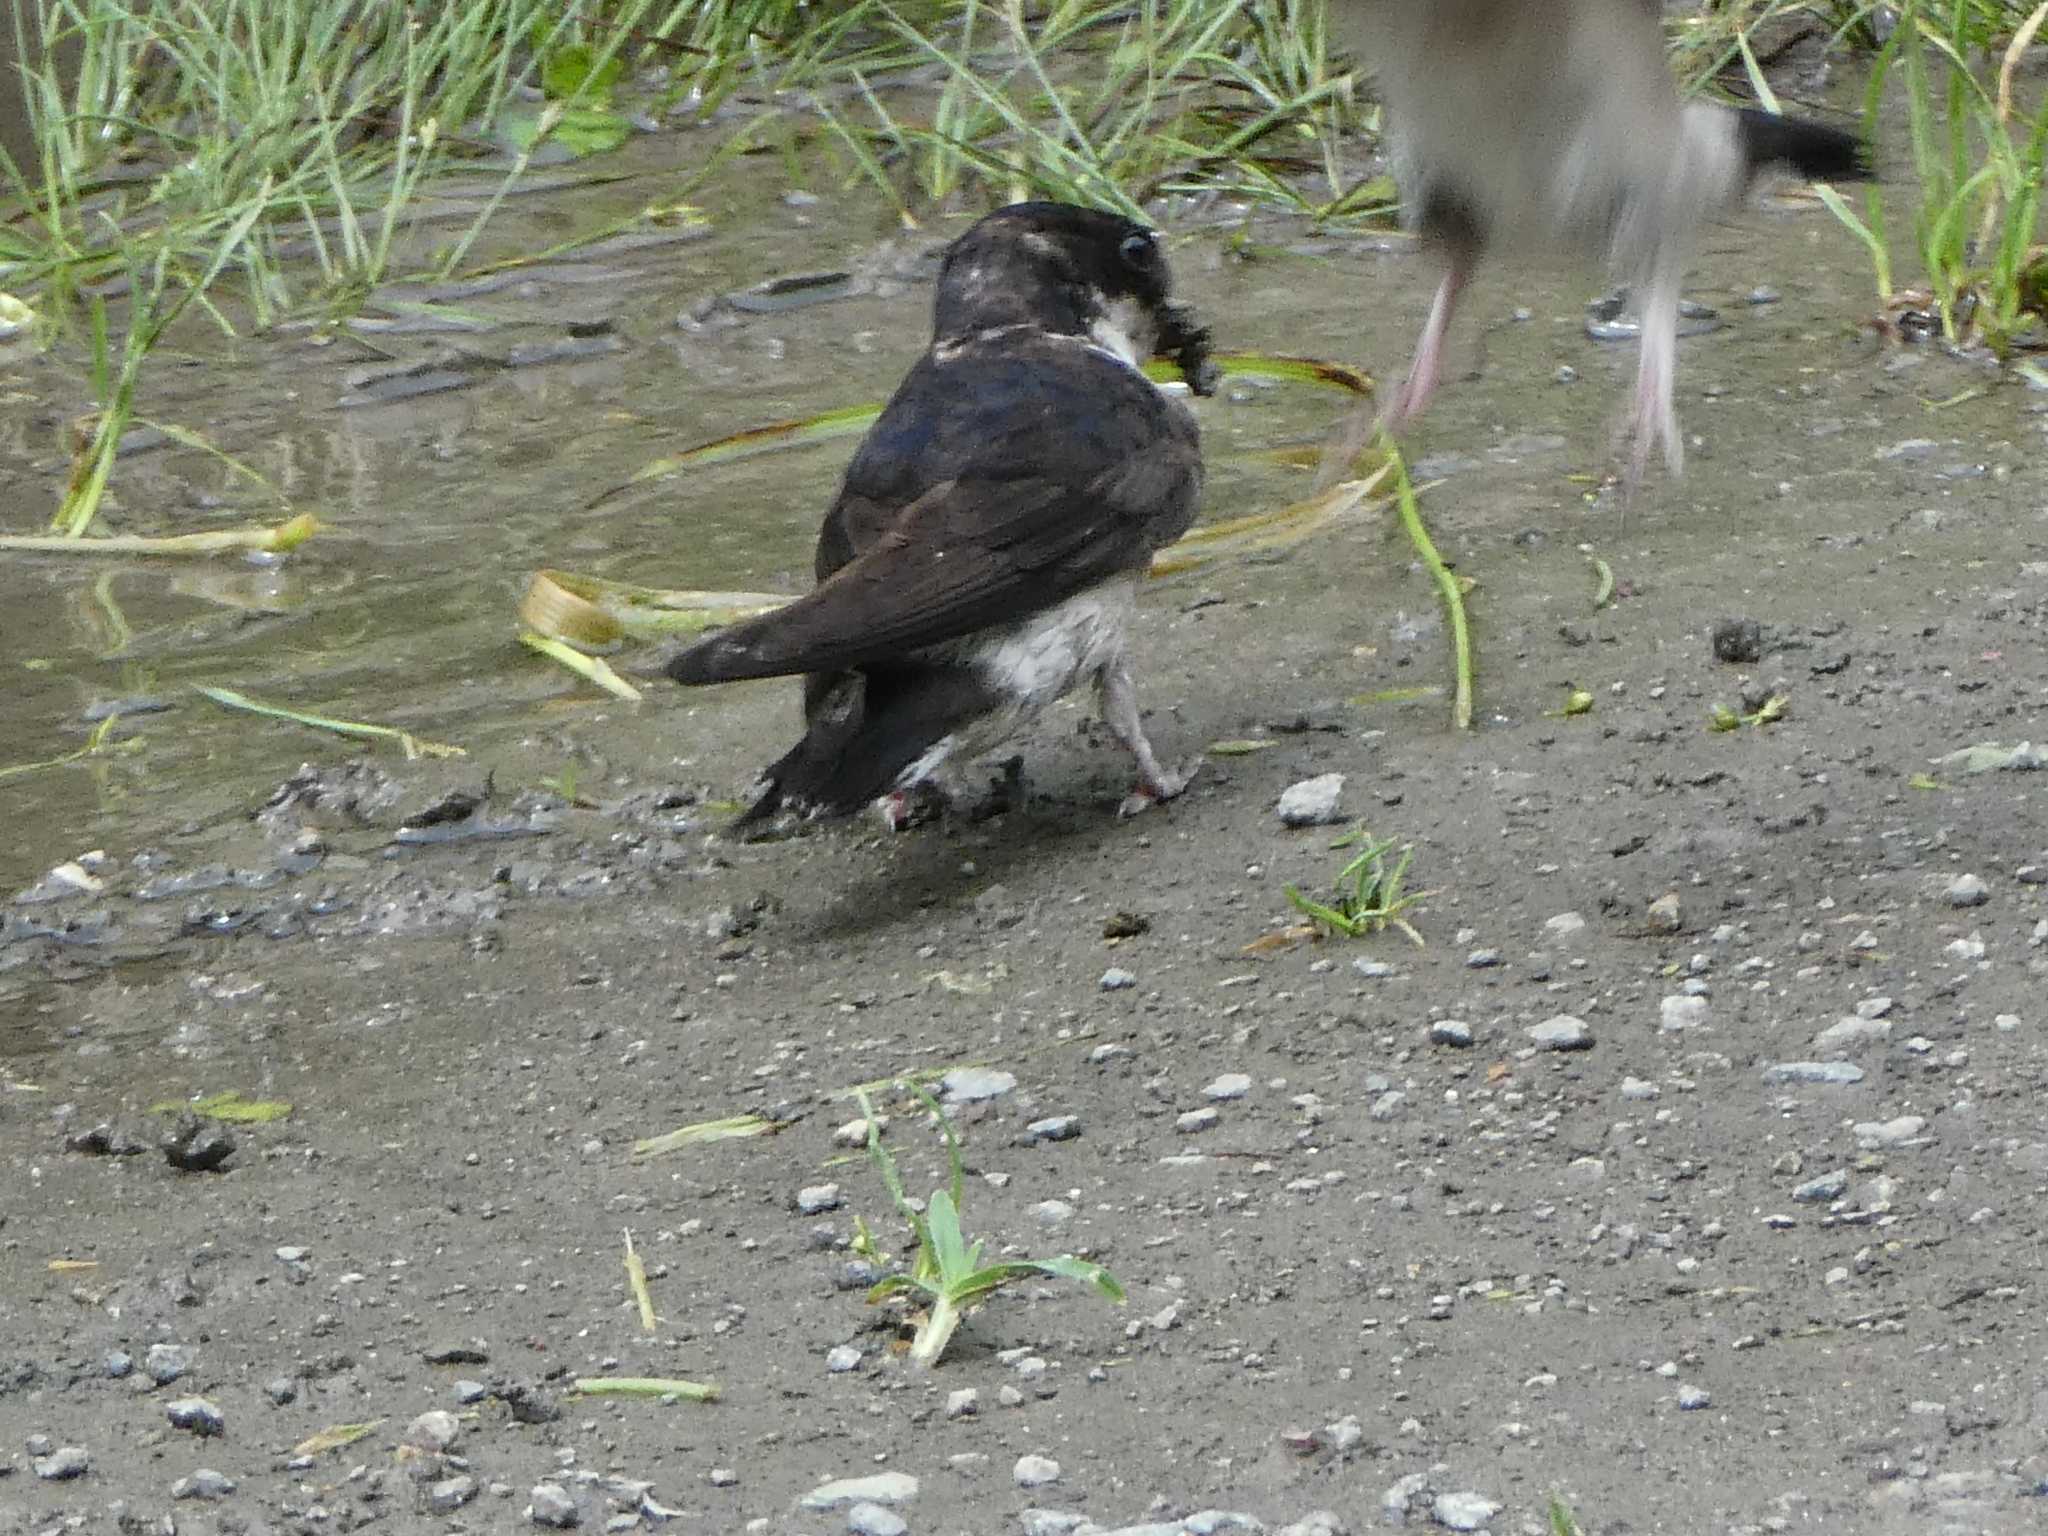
{"x":1556,"y":124}
{"x":984,"y":551}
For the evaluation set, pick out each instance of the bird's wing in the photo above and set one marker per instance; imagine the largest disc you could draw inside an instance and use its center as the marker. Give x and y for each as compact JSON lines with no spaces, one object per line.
{"x":968,"y":554}
{"x":1022,"y":476}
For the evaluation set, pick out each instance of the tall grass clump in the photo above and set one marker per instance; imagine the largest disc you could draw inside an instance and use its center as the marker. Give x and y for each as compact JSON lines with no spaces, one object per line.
{"x":1977,"y":151}
{"x":1109,"y":102}
{"x":253,"y":158}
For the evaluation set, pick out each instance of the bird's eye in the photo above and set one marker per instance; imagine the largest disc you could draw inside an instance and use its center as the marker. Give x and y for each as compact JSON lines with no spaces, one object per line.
{"x":1138,"y":250}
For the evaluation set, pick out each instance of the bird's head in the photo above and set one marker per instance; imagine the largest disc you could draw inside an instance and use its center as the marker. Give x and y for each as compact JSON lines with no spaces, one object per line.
{"x":1074,"y":271}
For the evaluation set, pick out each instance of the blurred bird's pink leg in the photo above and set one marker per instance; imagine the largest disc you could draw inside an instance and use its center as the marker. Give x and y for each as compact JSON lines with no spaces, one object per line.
{"x":1653,"y":418}
{"x":1120,"y":714}
{"x":1425,"y":371}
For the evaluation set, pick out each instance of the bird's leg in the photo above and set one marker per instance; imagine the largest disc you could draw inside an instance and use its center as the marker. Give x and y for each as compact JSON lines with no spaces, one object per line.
{"x":1652,"y":417}
{"x":1425,"y":371}
{"x":1120,"y":713}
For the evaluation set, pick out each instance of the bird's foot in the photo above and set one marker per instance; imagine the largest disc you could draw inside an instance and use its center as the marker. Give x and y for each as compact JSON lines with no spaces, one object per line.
{"x":1158,"y":787}
{"x":902,"y":809}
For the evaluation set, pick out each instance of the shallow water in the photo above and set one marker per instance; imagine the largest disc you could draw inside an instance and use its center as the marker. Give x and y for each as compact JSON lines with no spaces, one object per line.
{"x":438,"y":507}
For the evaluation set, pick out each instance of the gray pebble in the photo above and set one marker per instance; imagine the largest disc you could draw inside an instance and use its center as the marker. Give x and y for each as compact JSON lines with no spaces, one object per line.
{"x":1035,"y":1471}
{"x":963,"y":1404}
{"x":723,"y":1477}
{"x":1680,"y":1011}
{"x":816,"y":1199}
{"x":1829,"y":1186}
{"x":1636,"y":1088}
{"x":281,"y":1389}
{"x":1231,"y":1085}
{"x":1482,"y":959}
{"x":971,"y":1085}
{"x":878,"y":1488}
{"x":1665,"y":915}
{"x":549,"y":1504}
{"x":165,"y":1363}
{"x":1323,"y":1522}
{"x":1849,"y":1034}
{"x":1564,"y":925}
{"x":1387,"y":1105}
{"x":875,"y":1520}
{"x":1117,"y":979}
{"x":450,"y":1493}
{"x":1196,"y":1120}
{"x":1966,"y":891}
{"x":1691,"y":1399}
{"x":1052,"y":1213}
{"x":1313,"y":802}
{"x":118,"y":1363}
{"x":1454,"y":1032}
{"x":1054,"y":1128}
{"x":1562,"y":1032}
{"x":203,"y":1484}
{"x":62,"y":1464}
{"x":841,"y":1358}
{"x":195,"y":1414}
{"x":434,"y":1430}
{"x":1463,"y":1511}
{"x":1374,"y":970}
{"x":1836,"y":1072}
{"x":467,"y":1392}
{"x":1889,"y":1133}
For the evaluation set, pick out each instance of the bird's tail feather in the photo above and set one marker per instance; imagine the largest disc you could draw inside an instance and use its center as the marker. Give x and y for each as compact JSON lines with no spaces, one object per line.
{"x":1798,"y":145}
{"x":865,"y":729}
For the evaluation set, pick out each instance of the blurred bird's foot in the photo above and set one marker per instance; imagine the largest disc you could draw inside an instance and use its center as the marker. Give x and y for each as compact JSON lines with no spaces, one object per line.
{"x":1120,"y":714}
{"x":1157,"y":787}
{"x":902,"y":809}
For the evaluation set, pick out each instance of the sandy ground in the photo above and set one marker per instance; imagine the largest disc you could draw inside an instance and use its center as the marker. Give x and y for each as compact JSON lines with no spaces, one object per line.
{"x":1379,"y":1265}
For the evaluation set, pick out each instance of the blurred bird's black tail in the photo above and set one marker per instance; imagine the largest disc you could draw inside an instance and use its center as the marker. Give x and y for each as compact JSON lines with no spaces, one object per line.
{"x":1799,"y":147}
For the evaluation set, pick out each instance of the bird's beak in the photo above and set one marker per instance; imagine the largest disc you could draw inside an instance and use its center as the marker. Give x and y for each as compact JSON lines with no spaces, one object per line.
{"x":1185,"y":340}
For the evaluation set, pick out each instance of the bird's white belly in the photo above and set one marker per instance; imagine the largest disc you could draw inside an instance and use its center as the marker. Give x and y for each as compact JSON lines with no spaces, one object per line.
{"x":1032,"y":664}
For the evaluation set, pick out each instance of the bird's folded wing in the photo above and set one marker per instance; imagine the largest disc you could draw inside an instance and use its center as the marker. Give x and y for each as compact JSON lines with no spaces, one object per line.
{"x":968,"y":554}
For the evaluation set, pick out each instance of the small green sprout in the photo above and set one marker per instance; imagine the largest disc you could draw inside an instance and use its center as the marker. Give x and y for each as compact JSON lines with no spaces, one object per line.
{"x":1369,"y":897}
{"x":947,"y":1270}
